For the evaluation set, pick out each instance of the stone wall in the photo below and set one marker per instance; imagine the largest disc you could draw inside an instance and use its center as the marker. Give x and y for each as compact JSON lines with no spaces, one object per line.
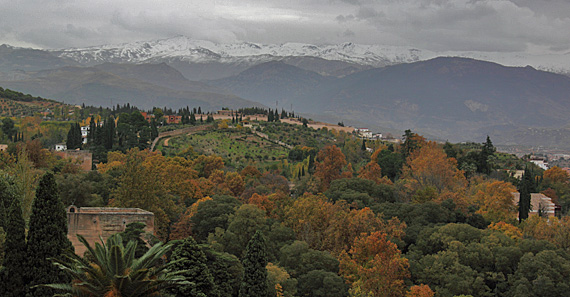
{"x":94,"y":223}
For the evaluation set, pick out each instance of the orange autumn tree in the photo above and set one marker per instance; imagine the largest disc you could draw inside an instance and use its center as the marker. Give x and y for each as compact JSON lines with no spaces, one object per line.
{"x":263,"y":202}
{"x":206,"y":165}
{"x":310,"y":216}
{"x":495,"y":200}
{"x":555,"y":175}
{"x":348,"y":223}
{"x":373,"y":172}
{"x":333,"y":226}
{"x":329,"y":166}
{"x":155,"y":183}
{"x":510,"y":230}
{"x":183,"y":228}
{"x":420,"y":291}
{"x":554,"y":230}
{"x":375,"y":266}
{"x":429,"y":168}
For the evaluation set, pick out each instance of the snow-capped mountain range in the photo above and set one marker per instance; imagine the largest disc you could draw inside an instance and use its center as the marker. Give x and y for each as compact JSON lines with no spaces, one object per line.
{"x":182,"y":48}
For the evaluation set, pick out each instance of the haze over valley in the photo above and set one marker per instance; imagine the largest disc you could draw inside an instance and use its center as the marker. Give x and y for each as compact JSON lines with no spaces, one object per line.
{"x":452,"y":96}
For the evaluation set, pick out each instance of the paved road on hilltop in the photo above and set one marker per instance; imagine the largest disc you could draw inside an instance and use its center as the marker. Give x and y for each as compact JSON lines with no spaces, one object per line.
{"x":187,"y":130}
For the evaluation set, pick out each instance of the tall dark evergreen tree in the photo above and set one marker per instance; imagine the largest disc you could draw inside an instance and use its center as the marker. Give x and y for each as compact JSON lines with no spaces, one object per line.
{"x":92,"y":132}
{"x":525,"y":190}
{"x":74,"y":139}
{"x":487,"y":149}
{"x":192,"y":119}
{"x":254,"y":282}
{"x":47,"y":238}
{"x":6,"y":198}
{"x":154,"y":129}
{"x":188,"y":257}
{"x":363,"y":147}
{"x":12,"y":277}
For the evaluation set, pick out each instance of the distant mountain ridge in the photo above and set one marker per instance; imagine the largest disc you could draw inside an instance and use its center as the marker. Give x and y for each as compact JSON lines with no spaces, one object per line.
{"x":183,"y":49}
{"x":205,"y":60}
{"x":108,"y":85}
{"x":453,"y":98}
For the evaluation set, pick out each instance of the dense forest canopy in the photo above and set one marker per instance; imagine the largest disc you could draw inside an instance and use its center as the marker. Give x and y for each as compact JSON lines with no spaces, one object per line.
{"x":268,"y":208}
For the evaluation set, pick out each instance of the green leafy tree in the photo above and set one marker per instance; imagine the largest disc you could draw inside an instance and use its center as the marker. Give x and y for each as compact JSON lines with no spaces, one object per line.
{"x":391,"y":163}
{"x":8,"y":128}
{"x":213,"y":214}
{"x":12,"y":278}
{"x":111,"y":269}
{"x":226,"y":270}
{"x":242,"y":226}
{"x":47,"y":238}
{"x":320,"y":283}
{"x":188,"y":257}
{"x":254,"y":282}
{"x":546,"y":273}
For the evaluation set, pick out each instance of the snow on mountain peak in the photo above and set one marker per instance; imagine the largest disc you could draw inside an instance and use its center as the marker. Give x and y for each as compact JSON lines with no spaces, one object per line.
{"x":201,"y":51}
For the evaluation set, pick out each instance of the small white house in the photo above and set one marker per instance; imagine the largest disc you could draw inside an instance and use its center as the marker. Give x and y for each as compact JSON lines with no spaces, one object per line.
{"x":540,"y":163}
{"x":84,"y":131}
{"x":61,"y":147}
{"x":377,"y":136}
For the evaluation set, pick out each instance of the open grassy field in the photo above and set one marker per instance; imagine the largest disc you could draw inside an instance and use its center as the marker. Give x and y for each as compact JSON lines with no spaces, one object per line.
{"x":237,"y":147}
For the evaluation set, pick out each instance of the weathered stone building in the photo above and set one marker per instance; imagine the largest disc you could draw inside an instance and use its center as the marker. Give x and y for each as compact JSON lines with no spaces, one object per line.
{"x":94,"y":223}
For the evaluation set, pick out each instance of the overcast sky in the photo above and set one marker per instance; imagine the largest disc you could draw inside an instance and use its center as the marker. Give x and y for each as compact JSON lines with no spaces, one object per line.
{"x":536,"y":26}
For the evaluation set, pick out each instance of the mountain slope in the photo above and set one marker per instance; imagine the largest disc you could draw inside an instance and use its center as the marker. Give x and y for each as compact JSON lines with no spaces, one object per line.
{"x":96,"y":87}
{"x":276,"y":82}
{"x":13,"y":58}
{"x":157,"y":74}
{"x":453,"y":98}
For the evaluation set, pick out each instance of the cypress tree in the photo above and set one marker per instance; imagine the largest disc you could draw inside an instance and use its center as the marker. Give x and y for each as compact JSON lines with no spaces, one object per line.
{"x":6,"y":198}
{"x":189,"y":257}
{"x":363,"y":145}
{"x":12,"y":278}
{"x":47,"y":238}
{"x":254,"y":282}
{"x":487,"y":149}
{"x":74,"y":139}
{"x":525,"y":189}
{"x":153,"y":129}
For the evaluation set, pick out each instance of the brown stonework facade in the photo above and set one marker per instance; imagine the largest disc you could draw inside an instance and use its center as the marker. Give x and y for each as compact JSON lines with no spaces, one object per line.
{"x":83,"y":157}
{"x":94,"y":223}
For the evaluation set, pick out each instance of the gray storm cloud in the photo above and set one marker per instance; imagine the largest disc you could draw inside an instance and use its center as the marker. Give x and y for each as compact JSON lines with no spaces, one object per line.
{"x":487,"y":25}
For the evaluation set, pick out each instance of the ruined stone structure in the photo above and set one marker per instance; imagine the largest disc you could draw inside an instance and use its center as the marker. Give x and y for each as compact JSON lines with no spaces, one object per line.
{"x":94,"y":223}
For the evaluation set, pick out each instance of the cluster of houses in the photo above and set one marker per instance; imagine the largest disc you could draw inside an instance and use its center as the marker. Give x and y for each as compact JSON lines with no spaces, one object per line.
{"x":367,"y":134}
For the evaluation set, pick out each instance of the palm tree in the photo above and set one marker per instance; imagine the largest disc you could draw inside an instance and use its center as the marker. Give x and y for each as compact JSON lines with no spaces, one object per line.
{"x":111,"y":270}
